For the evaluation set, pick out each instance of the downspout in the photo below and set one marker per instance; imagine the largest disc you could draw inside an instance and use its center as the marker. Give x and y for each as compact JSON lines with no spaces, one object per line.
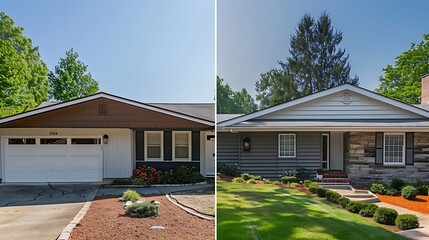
{"x":239,"y":150}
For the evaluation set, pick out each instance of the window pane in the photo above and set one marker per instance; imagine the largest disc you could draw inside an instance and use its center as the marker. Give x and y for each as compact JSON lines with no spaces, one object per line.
{"x":393,"y":148}
{"x":181,"y":139}
{"x":153,"y":138}
{"x":16,"y":141}
{"x":53,"y":141}
{"x":153,"y":152}
{"x":181,"y":152}
{"x":85,"y":141}
{"x":287,"y":145}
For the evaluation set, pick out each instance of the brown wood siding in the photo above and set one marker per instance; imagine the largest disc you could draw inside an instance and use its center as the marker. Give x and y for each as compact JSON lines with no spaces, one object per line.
{"x":119,"y":115}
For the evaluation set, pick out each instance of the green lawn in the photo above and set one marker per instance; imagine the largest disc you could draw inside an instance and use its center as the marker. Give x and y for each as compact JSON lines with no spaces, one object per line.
{"x":249,"y":211}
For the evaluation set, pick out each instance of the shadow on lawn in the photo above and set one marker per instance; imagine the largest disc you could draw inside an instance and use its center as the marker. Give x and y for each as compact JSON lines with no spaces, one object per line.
{"x":284,"y":214}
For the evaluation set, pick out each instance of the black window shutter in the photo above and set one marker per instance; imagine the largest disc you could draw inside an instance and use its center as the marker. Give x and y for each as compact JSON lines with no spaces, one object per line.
{"x":139,"y":145}
{"x":379,"y":139}
{"x":168,"y":145}
{"x":409,"y":148}
{"x":195,"y":146}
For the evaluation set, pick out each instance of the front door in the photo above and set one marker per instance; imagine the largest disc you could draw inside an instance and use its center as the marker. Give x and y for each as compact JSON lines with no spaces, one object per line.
{"x":325,"y":151}
{"x":210,"y":154}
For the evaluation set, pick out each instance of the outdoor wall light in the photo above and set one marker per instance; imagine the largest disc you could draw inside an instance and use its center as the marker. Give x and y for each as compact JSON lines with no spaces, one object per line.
{"x":105,"y":138}
{"x":246,"y":144}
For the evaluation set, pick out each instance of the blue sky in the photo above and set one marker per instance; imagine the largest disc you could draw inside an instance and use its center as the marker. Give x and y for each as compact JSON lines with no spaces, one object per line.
{"x":254,"y":34}
{"x":150,"y":51}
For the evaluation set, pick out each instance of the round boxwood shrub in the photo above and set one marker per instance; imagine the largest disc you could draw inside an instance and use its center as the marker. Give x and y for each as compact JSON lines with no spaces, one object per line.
{"x":267,"y":181}
{"x":422,"y":188}
{"x":321,"y":192}
{"x":368,"y":210}
{"x":251,"y":181}
{"x":288,"y":179}
{"x":312,"y":187}
{"x":378,"y":188}
{"x":277,"y":183}
{"x":238,"y":180}
{"x":390,"y":191}
{"x":307,"y":182}
{"x":409,"y":192}
{"x":333,"y":196}
{"x":343,"y":201}
{"x":294,"y":185}
{"x":407,"y":221}
{"x":385,"y":216}
{"x":355,"y":206}
{"x":143,"y":210}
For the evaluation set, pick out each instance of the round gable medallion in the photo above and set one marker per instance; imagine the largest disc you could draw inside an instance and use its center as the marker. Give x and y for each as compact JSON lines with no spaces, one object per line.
{"x":346,"y":98}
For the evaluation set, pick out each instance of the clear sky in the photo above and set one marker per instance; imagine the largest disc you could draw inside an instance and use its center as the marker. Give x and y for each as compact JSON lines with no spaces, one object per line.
{"x":254,"y":34}
{"x":149,"y":51}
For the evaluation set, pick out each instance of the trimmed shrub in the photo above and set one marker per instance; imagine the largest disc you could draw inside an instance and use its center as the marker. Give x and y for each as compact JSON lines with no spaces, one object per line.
{"x":312,"y":187}
{"x":288,"y":179}
{"x":390,"y":191}
{"x":321,"y":192}
{"x":333,"y":196}
{"x":328,"y":193}
{"x":343,"y":201}
{"x":251,"y":181}
{"x":368,"y":210}
{"x":385,"y":216}
{"x":130,"y":195}
{"x":422,"y":189}
{"x":307,"y":182}
{"x":232,"y":170}
{"x":246,"y":176}
{"x":257,"y":177}
{"x":268,"y":181}
{"x":397,"y":184}
{"x":409,"y":192}
{"x":355,"y":206}
{"x":238,"y":180}
{"x":378,"y":188}
{"x":294,"y":185}
{"x":277,"y":183}
{"x":407,"y":221}
{"x":144,"y":209}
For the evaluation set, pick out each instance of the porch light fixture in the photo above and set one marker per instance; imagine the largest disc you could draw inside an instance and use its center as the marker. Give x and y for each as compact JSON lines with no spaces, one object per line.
{"x":246,"y":144}
{"x":105,"y":138}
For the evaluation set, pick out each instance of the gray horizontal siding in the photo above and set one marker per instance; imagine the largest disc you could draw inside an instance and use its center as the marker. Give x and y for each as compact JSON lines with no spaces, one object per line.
{"x":263,"y":158}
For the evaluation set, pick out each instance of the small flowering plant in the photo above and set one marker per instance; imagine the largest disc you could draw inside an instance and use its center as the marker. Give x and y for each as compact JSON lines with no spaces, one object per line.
{"x":147,"y":175}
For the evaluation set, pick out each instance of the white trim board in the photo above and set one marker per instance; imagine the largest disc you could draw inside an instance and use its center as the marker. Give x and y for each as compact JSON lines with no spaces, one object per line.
{"x":107,"y":96}
{"x":320,"y":94}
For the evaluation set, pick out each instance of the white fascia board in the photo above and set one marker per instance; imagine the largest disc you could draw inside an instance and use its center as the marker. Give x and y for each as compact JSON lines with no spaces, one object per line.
{"x":102,"y":95}
{"x":324,"y":129}
{"x":349,"y":87}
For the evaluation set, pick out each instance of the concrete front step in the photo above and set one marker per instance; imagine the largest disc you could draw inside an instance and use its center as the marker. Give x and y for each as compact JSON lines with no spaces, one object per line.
{"x":358,"y":195}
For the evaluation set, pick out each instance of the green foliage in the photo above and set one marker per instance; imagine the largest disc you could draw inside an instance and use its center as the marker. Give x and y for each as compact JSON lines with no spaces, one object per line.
{"x":268,"y":181}
{"x":307,"y":182}
{"x":355,"y":206}
{"x":385,"y":215}
{"x":409,"y":192}
{"x":368,"y":210}
{"x":143,"y":210}
{"x":277,"y":183}
{"x":130,"y":195}
{"x":402,"y":80}
{"x":238,"y":180}
{"x":246,"y":176}
{"x":378,"y":188}
{"x":312,"y":187}
{"x":23,"y":74}
{"x":229,"y":101}
{"x":70,"y":79}
{"x":422,"y":188}
{"x":321,"y":192}
{"x":407,"y":221}
{"x":232,"y":170}
{"x":251,"y":181}
{"x":333,"y":197}
{"x":288,"y":179}
{"x":343,"y":201}
{"x":136,"y":181}
{"x":294,"y":185}
{"x":315,"y":63}
{"x":390,"y":191}
{"x":122,"y":181}
{"x":257,"y":177}
{"x":397,"y":184}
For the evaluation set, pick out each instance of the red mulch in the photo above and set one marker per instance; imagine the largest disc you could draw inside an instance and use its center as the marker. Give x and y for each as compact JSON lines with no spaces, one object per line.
{"x":105,"y":219}
{"x":420,"y":204}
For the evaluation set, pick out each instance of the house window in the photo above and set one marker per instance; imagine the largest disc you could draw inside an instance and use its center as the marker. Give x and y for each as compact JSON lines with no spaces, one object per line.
{"x":153,"y":145}
{"x":21,"y":141}
{"x":287,"y":145}
{"x":181,"y":145}
{"x":53,"y":141}
{"x":85,"y":141}
{"x":394,"y":149}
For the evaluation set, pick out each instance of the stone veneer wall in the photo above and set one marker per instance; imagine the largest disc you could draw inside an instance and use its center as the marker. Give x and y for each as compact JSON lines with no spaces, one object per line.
{"x":359,"y":159}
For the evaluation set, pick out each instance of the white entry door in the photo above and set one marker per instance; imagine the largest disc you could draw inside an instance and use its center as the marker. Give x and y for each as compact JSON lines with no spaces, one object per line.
{"x":210,"y":154}
{"x":52,"y":159}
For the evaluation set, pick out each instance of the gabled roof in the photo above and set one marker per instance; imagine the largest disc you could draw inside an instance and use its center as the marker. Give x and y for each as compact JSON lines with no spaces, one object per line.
{"x":323,"y":93}
{"x":201,"y":110}
{"x":53,"y":106}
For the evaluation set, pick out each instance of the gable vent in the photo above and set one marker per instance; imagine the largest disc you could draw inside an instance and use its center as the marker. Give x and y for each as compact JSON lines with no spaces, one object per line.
{"x":102,"y":109}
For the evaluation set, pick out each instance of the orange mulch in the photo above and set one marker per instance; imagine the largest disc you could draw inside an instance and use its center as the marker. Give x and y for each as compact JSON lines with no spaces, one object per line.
{"x":420,"y":204}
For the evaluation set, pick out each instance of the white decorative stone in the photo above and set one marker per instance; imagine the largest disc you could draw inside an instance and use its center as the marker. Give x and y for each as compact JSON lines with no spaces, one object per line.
{"x":128,"y":203}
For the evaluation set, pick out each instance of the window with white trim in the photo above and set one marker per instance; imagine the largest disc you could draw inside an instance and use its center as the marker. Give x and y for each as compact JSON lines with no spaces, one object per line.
{"x":287,"y":145}
{"x":394,"y":149}
{"x":153,"y":145}
{"x":181,"y":145}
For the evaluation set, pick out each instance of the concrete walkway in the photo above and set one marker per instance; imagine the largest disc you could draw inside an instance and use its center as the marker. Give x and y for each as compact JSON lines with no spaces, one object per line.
{"x":419,"y":233}
{"x":160,"y":190}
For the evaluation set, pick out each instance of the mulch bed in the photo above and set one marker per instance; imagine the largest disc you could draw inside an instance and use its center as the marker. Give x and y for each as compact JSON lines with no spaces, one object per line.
{"x":106,"y":219}
{"x":420,"y":204}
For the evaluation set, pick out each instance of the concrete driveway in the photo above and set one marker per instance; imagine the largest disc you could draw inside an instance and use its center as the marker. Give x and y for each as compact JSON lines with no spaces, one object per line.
{"x":40,"y":211}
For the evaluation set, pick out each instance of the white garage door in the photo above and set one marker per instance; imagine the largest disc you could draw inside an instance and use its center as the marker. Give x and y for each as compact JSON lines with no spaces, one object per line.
{"x":53,"y":159}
